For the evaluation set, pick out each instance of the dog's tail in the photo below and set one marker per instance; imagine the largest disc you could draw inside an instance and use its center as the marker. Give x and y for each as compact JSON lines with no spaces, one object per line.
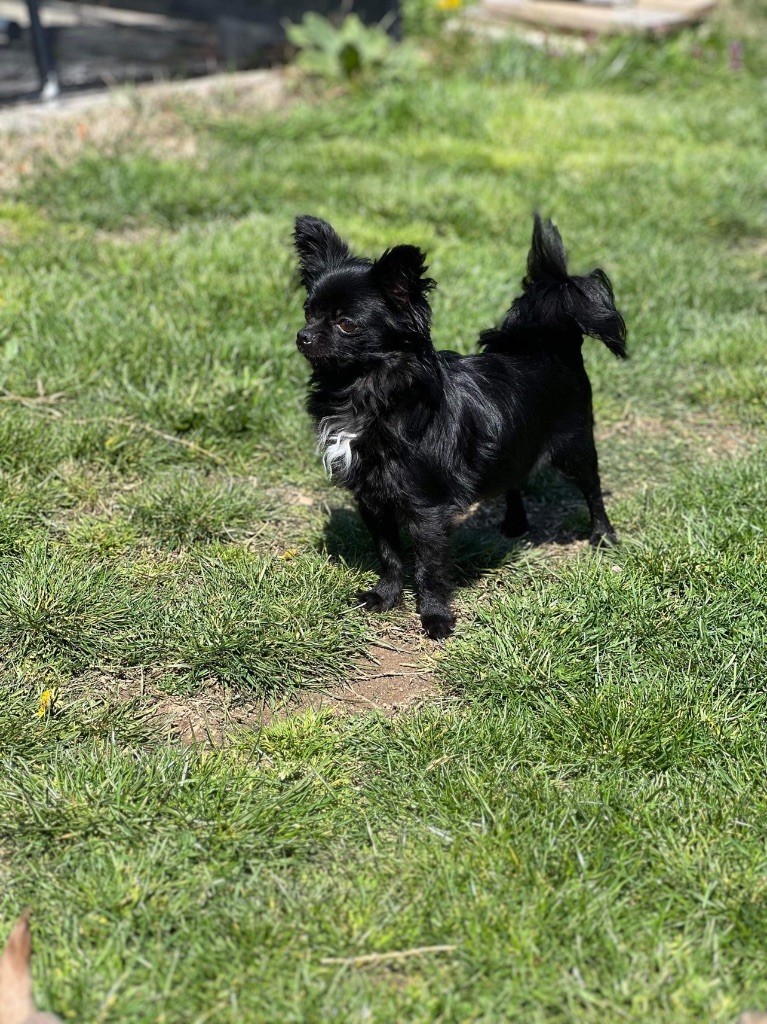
{"x":552,"y":300}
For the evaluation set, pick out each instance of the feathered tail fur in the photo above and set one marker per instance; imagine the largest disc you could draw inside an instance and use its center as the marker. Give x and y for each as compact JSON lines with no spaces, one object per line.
{"x":552,"y":300}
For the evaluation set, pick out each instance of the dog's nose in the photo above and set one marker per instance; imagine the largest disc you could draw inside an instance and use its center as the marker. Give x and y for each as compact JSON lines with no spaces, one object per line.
{"x":304,"y":338}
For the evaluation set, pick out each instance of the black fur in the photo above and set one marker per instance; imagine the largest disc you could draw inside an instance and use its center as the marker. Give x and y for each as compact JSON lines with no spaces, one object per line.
{"x":418,"y":435}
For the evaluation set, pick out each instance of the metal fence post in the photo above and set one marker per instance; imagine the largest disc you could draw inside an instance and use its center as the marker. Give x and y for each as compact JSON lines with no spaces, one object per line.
{"x":49,"y":81}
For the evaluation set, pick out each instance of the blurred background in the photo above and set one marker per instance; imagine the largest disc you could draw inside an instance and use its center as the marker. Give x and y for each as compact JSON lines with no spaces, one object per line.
{"x":95,"y":44}
{"x":48,"y":46}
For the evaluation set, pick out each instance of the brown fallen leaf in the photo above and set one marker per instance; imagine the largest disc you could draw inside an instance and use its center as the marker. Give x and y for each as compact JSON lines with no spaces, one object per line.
{"x":16,"y":1003}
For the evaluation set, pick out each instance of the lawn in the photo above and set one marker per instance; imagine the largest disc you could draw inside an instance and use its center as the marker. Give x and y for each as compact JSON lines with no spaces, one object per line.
{"x":578,"y":817}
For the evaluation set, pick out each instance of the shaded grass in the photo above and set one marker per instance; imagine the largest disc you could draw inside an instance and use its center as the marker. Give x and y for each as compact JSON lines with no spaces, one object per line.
{"x":582,"y":815}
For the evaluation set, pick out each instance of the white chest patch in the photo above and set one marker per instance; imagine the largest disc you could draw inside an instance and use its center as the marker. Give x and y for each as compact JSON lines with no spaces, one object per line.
{"x":335,"y":446}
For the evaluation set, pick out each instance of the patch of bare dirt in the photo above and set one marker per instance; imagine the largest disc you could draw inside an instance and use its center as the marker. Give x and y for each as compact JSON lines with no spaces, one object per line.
{"x":206,"y":718}
{"x":701,"y":433}
{"x":292,"y":495}
{"x":393,"y":677}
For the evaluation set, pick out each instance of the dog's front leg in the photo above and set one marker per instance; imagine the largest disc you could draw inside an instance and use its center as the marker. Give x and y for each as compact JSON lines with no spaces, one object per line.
{"x":385,"y":533}
{"x":431,"y":546}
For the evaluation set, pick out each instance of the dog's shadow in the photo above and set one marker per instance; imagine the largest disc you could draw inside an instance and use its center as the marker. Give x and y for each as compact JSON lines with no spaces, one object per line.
{"x":556,"y":512}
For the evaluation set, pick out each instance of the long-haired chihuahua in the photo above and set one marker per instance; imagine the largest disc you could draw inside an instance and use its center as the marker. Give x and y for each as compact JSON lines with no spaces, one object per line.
{"x":418,"y":435}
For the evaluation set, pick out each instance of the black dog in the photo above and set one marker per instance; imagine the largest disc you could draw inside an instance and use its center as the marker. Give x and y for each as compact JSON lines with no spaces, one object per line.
{"x":418,"y":435}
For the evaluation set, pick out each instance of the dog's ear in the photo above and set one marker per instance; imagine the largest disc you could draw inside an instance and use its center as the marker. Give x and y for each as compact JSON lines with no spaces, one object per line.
{"x":319,"y":249}
{"x":401,"y":274}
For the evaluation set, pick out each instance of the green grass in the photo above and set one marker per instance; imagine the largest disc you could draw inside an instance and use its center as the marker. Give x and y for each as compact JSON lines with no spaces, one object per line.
{"x":581,"y":816}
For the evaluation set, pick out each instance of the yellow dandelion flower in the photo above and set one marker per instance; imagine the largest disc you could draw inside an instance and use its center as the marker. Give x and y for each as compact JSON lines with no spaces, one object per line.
{"x":290,"y":553}
{"x":47,"y":700}
{"x":448,"y":5}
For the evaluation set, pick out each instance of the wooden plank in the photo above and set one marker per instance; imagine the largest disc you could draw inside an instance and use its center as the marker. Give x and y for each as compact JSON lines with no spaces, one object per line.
{"x":693,"y":8}
{"x":643,"y":16}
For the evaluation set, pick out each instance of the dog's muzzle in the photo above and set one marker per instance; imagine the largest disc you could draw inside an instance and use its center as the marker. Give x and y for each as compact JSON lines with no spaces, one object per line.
{"x":305,"y":339}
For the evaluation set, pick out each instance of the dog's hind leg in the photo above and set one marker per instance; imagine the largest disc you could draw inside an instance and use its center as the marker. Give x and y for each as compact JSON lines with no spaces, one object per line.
{"x":576,"y":459}
{"x":515,"y":520}
{"x":385,"y":533}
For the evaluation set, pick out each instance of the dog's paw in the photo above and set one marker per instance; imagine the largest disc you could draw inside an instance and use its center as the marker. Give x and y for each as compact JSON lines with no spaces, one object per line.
{"x":438,"y":626}
{"x":514,"y":528}
{"x":603,"y":539}
{"x":372,"y":601}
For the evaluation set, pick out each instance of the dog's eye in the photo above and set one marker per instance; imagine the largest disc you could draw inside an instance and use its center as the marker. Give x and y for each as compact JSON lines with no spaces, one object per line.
{"x":346,"y":326}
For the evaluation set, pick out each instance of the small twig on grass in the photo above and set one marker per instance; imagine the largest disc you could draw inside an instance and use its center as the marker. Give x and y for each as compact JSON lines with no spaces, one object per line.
{"x":126,"y":421}
{"x":412,"y":670}
{"x":120,"y":421}
{"x":31,"y":400}
{"x":387,"y":647}
{"x":374,"y":958}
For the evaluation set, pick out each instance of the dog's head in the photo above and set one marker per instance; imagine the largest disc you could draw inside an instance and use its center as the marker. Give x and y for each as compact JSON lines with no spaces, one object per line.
{"x":359,"y":311}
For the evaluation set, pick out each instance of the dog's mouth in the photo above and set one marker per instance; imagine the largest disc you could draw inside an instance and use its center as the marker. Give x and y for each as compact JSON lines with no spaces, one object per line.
{"x":318,"y":352}
{"x":314,"y":352}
